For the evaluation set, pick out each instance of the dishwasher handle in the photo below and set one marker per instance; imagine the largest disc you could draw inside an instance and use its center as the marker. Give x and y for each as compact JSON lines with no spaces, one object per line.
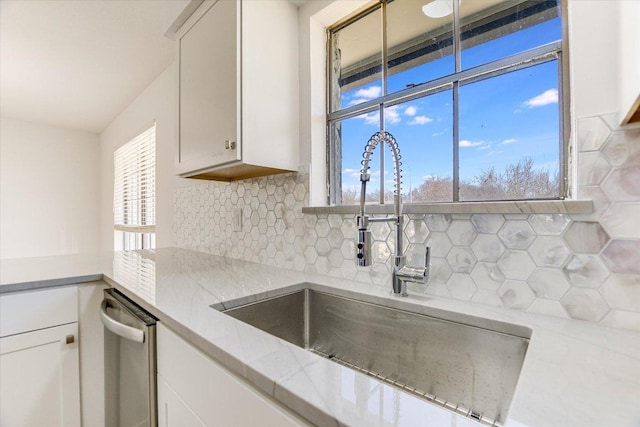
{"x":125,"y":331}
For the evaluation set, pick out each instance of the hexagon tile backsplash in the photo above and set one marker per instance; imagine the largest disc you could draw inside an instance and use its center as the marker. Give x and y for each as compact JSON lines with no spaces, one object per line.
{"x":579,"y":266}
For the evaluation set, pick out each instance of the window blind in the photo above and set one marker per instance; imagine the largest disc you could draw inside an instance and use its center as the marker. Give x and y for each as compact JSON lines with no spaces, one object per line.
{"x":134,"y":189}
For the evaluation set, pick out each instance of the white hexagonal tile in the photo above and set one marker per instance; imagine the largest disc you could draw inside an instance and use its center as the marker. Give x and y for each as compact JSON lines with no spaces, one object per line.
{"x":586,"y":271}
{"x":592,"y":168}
{"x":592,"y":133}
{"x":622,"y":292}
{"x":585,"y":304}
{"x":335,"y":238}
{"x":299,"y":192}
{"x":322,"y":228}
{"x":549,"y":224}
{"x":487,"y":276}
{"x":549,"y":251}
{"x":415,"y":255}
{"x":461,"y":260}
{"x":461,"y":286}
{"x":322,"y":246}
{"x":622,"y":320}
{"x":487,"y":297}
{"x":622,"y":256}
{"x":487,"y":247}
{"x":439,"y":244}
{"x":487,"y":223}
{"x":548,"y":283}
{"x":310,"y":255}
{"x":622,"y":184}
{"x":548,"y":308}
{"x":437,"y":222}
{"x":461,"y":233}
{"x":416,"y":231}
{"x":380,"y":230}
{"x":517,"y":234}
{"x":335,"y":258}
{"x":516,"y":294}
{"x":622,"y":148}
{"x":599,"y":199}
{"x":439,"y":271}
{"x":586,"y":237}
{"x":621,"y":220}
{"x":348,"y":248}
{"x":380,"y":252}
{"x":516,"y":265}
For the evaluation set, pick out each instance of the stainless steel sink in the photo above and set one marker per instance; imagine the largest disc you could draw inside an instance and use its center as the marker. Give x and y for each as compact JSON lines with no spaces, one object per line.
{"x":468,"y":369}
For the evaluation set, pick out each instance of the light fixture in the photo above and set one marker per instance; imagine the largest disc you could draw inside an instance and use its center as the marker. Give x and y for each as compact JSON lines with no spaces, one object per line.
{"x":438,"y":8}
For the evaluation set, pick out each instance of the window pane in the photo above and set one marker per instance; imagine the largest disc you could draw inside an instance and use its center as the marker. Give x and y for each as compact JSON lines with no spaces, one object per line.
{"x":509,"y":136}
{"x":423,"y":129}
{"x":495,"y":29}
{"x":356,"y":62}
{"x":420,"y":46}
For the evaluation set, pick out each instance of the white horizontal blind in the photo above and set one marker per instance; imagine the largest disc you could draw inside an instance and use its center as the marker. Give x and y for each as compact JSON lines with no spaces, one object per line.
{"x":134,"y":188}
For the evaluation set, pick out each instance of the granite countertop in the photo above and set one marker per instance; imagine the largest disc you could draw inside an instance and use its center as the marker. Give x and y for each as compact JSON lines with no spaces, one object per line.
{"x":575,"y":373}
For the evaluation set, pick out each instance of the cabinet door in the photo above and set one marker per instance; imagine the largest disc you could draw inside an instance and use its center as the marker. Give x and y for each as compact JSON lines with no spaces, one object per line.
{"x":40,"y":378}
{"x":172,"y":411}
{"x":209,"y":90}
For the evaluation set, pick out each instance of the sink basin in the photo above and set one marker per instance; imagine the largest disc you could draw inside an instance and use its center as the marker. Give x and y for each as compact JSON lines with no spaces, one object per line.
{"x":470,"y":370}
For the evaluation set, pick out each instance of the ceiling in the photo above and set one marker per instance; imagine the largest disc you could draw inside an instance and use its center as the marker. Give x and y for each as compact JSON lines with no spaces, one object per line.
{"x":77,"y":64}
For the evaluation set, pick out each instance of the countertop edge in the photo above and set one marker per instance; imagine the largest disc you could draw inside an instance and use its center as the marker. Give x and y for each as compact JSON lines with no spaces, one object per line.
{"x":50,"y":283}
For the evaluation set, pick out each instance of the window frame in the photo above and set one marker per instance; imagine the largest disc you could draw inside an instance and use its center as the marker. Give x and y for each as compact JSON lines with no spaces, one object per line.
{"x":135,"y":231}
{"x":557,"y":50}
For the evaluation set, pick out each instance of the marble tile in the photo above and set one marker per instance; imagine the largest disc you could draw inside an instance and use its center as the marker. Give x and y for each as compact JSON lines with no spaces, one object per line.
{"x":549,"y":224}
{"x":461,"y":232}
{"x":461,"y":260}
{"x":586,"y":237}
{"x":487,"y":247}
{"x":622,"y":148}
{"x":549,"y":283}
{"x":592,"y":133}
{"x":548,"y":308}
{"x":622,"y":256}
{"x":516,"y":265}
{"x":622,"y":320}
{"x":585,"y":304}
{"x":586,"y":271}
{"x":517,"y":234}
{"x":487,"y":223}
{"x":516,"y":294}
{"x":622,"y":184}
{"x":621,"y":220}
{"x":437,"y":222}
{"x":622,"y":292}
{"x":600,"y":202}
{"x":461,"y":286}
{"x":592,"y":168}
{"x":487,"y":276}
{"x":439,"y":243}
{"x":549,"y":251}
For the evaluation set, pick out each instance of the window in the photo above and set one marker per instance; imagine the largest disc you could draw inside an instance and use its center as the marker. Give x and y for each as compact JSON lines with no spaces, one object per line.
{"x":471,"y":90}
{"x":134,"y":193}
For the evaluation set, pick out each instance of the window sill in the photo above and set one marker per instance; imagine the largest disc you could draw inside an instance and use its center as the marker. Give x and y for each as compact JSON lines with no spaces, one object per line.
{"x":509,"y":207}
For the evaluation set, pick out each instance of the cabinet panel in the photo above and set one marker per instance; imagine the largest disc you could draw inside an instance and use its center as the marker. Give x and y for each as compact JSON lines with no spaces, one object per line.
{"x":31,"y":310}
{"x":217,"y":396}
{"x":172,"y":411}
{"x":208,"y":87}
{"x":40,"y":378}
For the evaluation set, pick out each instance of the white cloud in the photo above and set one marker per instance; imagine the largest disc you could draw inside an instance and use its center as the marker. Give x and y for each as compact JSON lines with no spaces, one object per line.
{"x":484,"y":147}
{"x":391,"y":115}
{"x":466,"y":143}
{"x":411,"y":110}
{"x":420,"y":120}
{"x":545,"y":98}
{"x":369,"y":93}
{"x":508,"y":141}
{"x":440,"y":133}
{"x":494,"y":153}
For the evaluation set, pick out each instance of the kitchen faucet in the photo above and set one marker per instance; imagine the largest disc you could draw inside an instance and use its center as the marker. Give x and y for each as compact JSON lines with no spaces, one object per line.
{"x":401,"y":273}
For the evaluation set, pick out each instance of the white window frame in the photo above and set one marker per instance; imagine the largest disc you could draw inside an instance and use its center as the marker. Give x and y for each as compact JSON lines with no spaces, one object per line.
{"x":134,"y":192}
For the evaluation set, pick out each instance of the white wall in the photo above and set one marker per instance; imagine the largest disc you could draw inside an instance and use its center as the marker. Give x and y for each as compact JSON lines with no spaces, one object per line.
{"x":157,"y":102}
{"x":49,"y":188}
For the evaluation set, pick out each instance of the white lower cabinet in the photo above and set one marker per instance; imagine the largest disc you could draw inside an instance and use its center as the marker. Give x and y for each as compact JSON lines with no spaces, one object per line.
{"x":39,"y":373}
{"x":172,"y":410}
{"x":194,"y":390}
{"x":40,"y":378}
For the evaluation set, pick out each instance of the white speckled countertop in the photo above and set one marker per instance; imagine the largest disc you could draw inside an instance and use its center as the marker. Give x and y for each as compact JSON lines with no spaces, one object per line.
{"x":574,"y":374}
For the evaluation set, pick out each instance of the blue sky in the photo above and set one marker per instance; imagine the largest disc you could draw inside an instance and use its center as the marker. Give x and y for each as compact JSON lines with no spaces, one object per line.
{"x":501,"y":119}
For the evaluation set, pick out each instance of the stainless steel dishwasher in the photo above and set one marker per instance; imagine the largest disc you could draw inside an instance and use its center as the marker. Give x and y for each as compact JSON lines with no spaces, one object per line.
{"x":130,"y":363}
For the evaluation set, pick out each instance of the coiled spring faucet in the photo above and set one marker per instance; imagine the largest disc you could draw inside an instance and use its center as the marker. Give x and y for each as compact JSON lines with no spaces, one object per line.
{"x":401,"y":273}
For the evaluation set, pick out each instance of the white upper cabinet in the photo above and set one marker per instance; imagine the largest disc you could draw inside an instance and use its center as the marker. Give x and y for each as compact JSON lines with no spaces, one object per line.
{"x":238,"y":90}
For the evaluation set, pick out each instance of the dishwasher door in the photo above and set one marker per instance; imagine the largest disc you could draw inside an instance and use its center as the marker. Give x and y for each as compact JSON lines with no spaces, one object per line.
{"x":130,"y":362}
